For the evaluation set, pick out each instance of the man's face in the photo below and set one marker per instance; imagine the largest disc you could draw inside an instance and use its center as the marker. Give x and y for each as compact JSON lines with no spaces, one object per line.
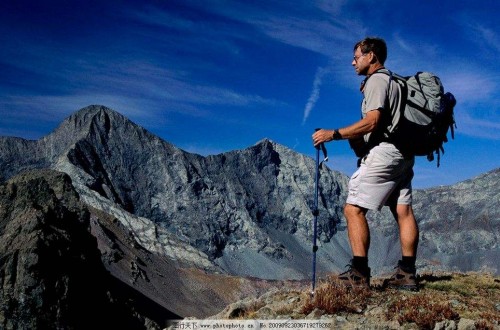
{"x":360,"y":62}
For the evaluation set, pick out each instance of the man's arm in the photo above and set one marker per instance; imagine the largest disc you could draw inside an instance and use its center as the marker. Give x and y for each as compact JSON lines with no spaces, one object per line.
{"x":358,"y":129}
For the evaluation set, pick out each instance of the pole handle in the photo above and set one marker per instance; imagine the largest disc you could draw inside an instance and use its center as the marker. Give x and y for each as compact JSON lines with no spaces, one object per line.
{"x":323,"y":149}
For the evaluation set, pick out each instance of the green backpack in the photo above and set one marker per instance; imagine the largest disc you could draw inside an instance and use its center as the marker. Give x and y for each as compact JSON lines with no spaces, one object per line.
{"x":428,"y":114}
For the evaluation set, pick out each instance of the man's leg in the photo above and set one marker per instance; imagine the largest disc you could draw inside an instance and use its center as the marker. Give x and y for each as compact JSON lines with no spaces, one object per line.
{"x":408,"y":229}
{"x":357,"y":229}
{"x":358,"y":274}
{"x":405,"y":276}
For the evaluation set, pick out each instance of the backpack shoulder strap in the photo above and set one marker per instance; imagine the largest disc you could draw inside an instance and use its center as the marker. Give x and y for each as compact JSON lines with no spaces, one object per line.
{"x":382,"y":70}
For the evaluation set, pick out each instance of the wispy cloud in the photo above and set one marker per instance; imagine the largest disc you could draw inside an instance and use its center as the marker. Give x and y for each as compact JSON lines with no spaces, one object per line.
{"x":481,"y":128}
{"x":314,"y":96}
{"x":320,"y":36}
{"x":488,"y":36}
{"x":480,"y":32}
{"x":316,"y":26}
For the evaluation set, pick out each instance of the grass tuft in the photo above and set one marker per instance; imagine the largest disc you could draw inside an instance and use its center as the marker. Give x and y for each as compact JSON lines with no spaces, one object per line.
{"x":332,"y":297}
{"x":421,"y":309}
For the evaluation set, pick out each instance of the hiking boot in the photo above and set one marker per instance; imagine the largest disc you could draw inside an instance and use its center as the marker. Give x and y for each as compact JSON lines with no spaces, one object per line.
{"x":353,"y":278}
{"x":403,"y":279}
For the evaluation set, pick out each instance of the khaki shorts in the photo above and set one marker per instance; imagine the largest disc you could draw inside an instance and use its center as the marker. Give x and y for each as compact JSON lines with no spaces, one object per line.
{"x":383,"y":178}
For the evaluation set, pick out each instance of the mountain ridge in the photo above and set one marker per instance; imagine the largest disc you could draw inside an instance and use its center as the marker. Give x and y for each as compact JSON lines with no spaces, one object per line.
{"x":248,"y":202}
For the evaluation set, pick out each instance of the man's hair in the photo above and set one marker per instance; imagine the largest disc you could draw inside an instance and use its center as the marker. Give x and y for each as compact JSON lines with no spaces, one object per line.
{"x":375,"y":45}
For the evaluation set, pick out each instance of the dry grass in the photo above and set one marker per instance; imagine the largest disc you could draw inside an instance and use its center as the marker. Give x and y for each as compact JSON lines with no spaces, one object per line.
{"x":332,"y":297}
{"x":248,"y":311}
{"x":443,"y":297}
{"x":422,"y":309}
{"x":474,"y":296}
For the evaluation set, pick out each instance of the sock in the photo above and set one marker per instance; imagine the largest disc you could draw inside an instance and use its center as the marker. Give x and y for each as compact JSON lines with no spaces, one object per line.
{"x":408,"y":263}
{"x":361,"y":264}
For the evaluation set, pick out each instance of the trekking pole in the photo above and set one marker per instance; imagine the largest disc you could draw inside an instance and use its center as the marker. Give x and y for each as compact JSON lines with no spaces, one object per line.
{"x":315,"y":210}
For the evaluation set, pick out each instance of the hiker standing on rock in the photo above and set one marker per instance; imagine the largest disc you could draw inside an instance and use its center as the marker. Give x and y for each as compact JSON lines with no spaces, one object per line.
{"x":384,"y":174}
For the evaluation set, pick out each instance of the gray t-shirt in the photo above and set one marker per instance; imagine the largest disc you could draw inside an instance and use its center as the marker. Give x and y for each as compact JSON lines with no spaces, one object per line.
{"x":377,"y":97}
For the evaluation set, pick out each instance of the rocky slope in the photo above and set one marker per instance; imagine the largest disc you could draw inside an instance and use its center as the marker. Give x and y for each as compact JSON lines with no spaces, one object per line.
{"x":50,"y":268}
{"x":64,"y":264}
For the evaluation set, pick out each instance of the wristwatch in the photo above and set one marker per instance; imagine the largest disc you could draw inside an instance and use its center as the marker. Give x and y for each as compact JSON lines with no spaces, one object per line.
{"x":336,"y":135}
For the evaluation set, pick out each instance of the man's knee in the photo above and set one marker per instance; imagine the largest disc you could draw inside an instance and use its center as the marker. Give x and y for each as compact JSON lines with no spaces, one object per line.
{"x":353,"y":211}
{"x":404,"y":211}
{"x":348,"y":209}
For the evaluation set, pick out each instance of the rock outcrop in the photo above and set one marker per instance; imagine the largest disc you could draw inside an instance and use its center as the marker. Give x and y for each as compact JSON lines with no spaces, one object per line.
{"x":51,"y":272}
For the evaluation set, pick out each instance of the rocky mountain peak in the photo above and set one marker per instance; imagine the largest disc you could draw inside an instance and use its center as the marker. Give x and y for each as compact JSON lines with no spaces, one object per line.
{"x":98,"y":115}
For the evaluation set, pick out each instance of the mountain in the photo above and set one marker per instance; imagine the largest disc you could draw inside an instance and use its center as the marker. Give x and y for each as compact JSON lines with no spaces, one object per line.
{"x":178,"y":227}
{"x":219,"y":213}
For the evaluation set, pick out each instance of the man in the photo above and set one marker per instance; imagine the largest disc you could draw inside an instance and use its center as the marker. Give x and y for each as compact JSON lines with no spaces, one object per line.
{"x":384,"y":174}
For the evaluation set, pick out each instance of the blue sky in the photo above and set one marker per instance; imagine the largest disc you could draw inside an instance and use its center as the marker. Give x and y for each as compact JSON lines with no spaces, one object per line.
{"x":214,"y":76}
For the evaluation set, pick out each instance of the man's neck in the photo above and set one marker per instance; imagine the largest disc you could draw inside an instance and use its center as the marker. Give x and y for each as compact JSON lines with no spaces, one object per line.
{"x":374,"y":67}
